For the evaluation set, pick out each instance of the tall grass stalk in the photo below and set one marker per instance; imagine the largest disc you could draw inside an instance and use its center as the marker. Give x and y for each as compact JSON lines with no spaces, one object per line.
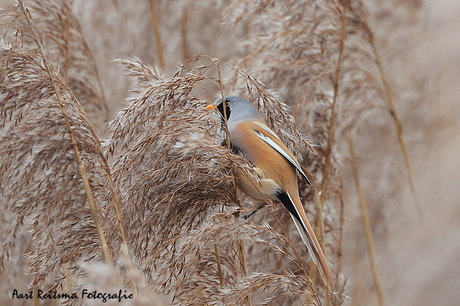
{"x":366,"y":224}
{"x":83,"y":173}
{"x":392,"y":111}
{"x":157,"y":31}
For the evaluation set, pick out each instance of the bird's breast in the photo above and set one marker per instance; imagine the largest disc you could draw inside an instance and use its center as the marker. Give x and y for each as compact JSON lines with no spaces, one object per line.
{"x":269,"y":162}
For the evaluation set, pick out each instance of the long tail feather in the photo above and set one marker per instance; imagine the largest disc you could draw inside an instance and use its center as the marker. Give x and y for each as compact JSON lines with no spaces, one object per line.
{"x":308,"y":236}
{"x":305,"y":239}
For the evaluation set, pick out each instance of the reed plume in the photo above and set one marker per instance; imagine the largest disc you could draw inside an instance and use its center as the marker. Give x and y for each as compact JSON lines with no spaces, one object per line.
{"x":54,"y":175}
{"x":148,"y":203}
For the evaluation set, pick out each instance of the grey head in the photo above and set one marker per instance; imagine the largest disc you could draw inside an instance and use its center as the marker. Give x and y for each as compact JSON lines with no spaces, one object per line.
{"x":237,"y":110}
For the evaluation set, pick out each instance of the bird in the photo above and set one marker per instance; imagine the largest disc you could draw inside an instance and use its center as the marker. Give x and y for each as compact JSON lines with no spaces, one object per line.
{"x":275,"y":166}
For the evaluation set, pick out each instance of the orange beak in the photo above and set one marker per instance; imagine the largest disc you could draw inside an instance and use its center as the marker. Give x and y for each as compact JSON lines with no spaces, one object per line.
{"x":211,"y":107}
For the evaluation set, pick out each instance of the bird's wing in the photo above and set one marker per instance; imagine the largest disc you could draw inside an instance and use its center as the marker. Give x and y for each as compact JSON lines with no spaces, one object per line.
{"x":269,"y":137}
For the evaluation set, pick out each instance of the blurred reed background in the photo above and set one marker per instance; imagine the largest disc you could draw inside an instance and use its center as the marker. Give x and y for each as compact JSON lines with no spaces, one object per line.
{"x":113,"y":175}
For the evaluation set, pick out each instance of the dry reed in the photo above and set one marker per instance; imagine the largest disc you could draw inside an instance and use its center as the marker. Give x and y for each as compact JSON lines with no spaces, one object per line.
{"x":156,"y":183}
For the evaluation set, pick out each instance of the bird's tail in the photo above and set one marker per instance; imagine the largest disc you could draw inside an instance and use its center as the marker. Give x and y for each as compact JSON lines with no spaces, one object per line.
{"x":308,"y":236}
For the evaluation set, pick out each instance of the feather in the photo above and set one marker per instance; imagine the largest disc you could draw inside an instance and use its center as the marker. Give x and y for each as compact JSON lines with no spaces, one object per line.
{"x":305,"y":239}
{"x":280,"y":149}
{"x":308,"y":236}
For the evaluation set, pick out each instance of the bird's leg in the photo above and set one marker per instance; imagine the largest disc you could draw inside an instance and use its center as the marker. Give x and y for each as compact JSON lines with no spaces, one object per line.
{"x":245,"y":217}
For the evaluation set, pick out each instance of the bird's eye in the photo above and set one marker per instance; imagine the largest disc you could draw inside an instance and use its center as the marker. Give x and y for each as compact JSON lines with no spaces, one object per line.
{"x":227,"y":103}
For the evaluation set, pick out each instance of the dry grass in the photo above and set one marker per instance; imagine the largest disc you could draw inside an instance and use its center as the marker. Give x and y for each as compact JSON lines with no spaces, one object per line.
{"x":114,"y":176}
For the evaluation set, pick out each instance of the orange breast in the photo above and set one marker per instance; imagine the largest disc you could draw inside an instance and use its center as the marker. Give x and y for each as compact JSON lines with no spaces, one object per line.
{"x":262,"y":155}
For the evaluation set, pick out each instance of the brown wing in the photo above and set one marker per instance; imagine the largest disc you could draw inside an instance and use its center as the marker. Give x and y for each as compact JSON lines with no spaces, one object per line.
{"x":267,"y":135}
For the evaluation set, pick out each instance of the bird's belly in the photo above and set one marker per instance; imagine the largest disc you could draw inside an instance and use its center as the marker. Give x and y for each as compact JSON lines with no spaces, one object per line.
{"x":256,"y":185}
